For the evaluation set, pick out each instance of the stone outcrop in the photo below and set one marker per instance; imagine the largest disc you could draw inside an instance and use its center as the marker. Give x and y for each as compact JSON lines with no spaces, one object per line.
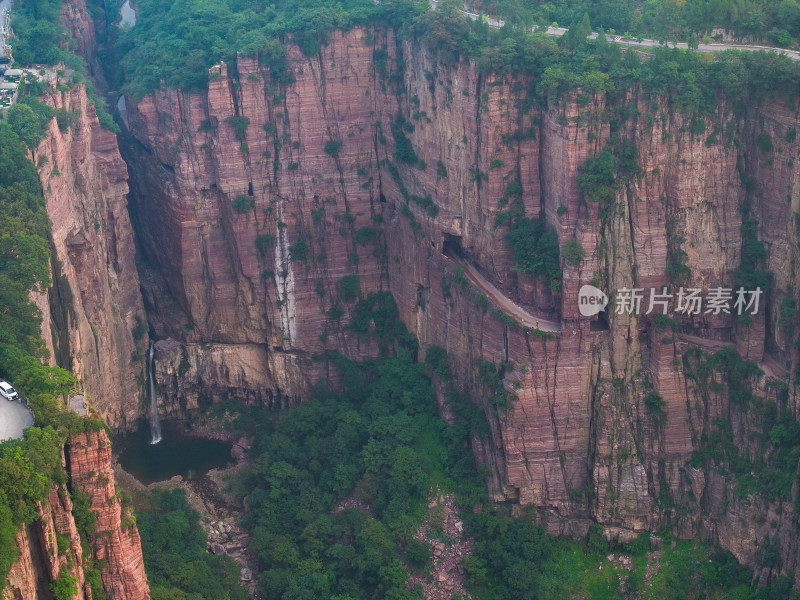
{"x":52,"y":542}
{"x":42,"y":557}
{"x":252,"y":200}
{"x":95,"y":299}
{"x":115,"y":543}
{"x":263,"y":280}
{"x":76,"y":18}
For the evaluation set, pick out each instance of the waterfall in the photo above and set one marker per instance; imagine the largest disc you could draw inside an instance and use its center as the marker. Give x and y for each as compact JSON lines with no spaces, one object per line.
{"x":155,"y":423}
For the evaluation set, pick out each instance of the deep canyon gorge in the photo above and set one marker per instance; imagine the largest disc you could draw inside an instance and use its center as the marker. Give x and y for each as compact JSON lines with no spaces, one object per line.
{"x":238,"y":227}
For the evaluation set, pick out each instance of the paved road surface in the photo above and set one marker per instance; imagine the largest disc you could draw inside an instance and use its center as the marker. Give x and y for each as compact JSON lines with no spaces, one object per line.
{"x":14,"y":417}
{"x":504,"y":302}
{"x":641,"y":43}
{"x":5,"y":6}
{"x":704,"y":342}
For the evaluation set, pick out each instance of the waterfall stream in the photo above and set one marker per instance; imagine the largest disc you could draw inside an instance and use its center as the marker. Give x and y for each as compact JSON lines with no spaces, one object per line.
{"x":155,"y":423}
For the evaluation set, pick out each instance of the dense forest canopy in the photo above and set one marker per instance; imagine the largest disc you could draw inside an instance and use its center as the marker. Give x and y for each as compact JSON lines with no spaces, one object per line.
{"x":174,"y":44}
{"x":337,"y":489}
{"x":773,"y":22}
{"x":40,"y":38}
{"x":179,"y":567}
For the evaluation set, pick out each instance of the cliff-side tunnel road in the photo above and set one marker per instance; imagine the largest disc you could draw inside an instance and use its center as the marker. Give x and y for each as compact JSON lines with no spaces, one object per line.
{"x":503,"y":302}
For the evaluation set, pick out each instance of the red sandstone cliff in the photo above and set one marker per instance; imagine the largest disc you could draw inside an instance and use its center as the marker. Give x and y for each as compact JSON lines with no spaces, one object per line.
{"x":41,"y":557}
{"x":116,"y":541}
{"x":115,"y":545}
{"x":247,"y":297}
{"x":95,"y":294}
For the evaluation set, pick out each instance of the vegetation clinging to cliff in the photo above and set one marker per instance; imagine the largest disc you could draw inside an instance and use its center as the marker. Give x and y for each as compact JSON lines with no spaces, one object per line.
{"x":28,"y":467}
{"x":768,"y":468}
{"x":176,"y":42}
{"x":24,"y":267}
{"x":39,"y":37}
{"x":534,"y":244}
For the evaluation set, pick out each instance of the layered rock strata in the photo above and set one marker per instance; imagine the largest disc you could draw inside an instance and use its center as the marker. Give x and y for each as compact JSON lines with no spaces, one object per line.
{"x":97,"y":324}
{"x":255,"y":203}
{"x":51,"y":547}
{"x":42,"y":559}
{"x":115,"y":543}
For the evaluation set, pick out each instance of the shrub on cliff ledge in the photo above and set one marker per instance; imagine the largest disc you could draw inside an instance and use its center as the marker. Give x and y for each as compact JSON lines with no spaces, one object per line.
{"x":752,"y":272}
{"x":596,"y":179}
{"x":349,"y":288}
{"x":243,"y":203}
{"x":332,"y":147}
{"x":239,"y":125}
{"x":572,"y":252}
{"x":535,"y":248}
{"x":65,"y":587}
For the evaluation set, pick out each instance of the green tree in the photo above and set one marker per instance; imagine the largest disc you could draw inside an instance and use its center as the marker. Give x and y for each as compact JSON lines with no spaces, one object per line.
{"x":577,"y":33}
{"x":26,"y":124}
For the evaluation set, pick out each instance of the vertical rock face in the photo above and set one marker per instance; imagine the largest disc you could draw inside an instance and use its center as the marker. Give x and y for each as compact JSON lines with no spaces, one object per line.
{"x":254,"y":199}
{"x":42,"y":556}
{"x":77,"y":20}
{"x":52,"y":542}
{"x":97,"y":306}
{"x":248,"y":225}
{"x":116,"y":540}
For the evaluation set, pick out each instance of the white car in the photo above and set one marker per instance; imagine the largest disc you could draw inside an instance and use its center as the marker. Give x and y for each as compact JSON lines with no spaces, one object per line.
{"x":8,"y":392}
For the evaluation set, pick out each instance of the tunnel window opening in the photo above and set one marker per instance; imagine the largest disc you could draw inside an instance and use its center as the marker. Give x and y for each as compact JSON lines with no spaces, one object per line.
{"x":423,"y":296}
{"x":451,"y":245}
{"x":601,"y":323}
{"x":250,"y":189}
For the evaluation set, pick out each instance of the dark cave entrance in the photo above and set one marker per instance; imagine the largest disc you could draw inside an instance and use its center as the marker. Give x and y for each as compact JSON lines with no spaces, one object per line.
{"x":451,"y":245}
{"x":601,"y":323}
